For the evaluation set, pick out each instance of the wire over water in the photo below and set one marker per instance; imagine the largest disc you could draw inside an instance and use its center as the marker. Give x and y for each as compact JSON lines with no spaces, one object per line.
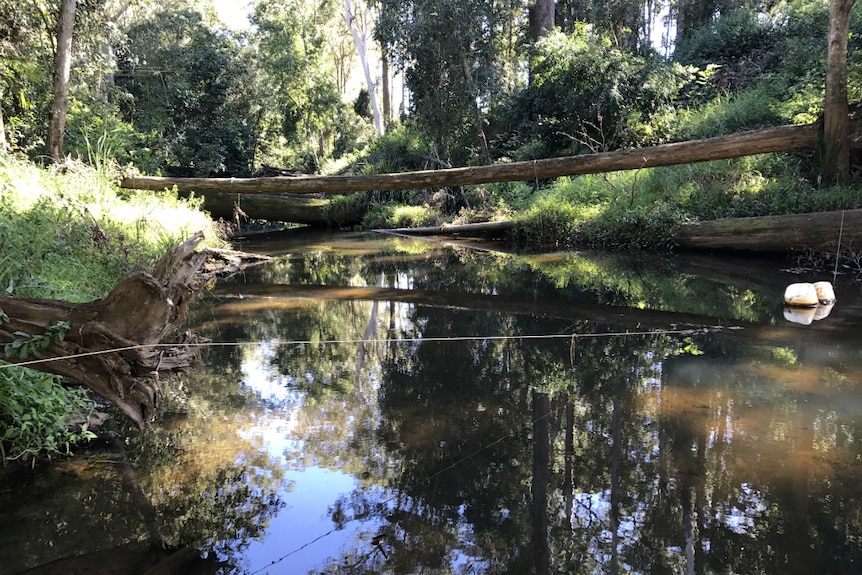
{"x":690,"y":331}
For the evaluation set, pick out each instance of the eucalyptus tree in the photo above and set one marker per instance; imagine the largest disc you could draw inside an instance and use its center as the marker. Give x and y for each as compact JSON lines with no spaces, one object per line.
{"x":62,"y":69}
{"x":298,"y":76}
{"x":358,"y":22}
{"x":448,"y":52}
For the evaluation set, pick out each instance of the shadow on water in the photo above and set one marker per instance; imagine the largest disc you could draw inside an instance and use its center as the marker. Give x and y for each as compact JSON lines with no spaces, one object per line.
{"x":378,"y":404}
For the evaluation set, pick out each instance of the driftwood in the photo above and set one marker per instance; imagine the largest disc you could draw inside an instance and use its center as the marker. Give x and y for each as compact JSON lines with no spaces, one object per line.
{"x":778,"y":139}
{"x":135,"y":316}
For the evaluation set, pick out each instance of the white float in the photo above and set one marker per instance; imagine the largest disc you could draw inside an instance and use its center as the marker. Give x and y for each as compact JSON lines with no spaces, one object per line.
{"x":801,"y":295}
{"x":807,"y":302}
{"x":825,"y":293}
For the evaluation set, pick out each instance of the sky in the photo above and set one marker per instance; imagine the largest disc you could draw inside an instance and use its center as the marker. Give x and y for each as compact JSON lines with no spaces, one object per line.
{"x":234,"y":13}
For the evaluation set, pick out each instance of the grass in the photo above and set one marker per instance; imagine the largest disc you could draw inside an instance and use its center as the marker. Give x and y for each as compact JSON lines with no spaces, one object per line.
{"x":70,"y":233}
{"x":642,"y":209}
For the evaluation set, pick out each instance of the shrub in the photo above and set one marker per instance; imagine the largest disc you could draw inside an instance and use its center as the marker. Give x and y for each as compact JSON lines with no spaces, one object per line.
{"x":399,"y":216}
{"x":33,"y":411}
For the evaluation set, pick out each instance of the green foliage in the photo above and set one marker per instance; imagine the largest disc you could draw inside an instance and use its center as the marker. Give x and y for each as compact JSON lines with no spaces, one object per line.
{"x":300,"y":117}
{"x":26,"y":345}
{"x":587,"y":95}
{"x":75,"y":236}
{"x":450,"y":61}
{"x":33,"y":411}
{"x":750,"y":109}
{"x":189,"y":90}
{"x":404,"y":148}
{"x":399,"y":216}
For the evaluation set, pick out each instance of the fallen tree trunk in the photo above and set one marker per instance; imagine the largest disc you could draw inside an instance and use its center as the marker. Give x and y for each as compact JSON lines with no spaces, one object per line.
{"x":793,"y":232}
{"x":297,"y":209}
{"x":818,"y":232}
{"x":478,"y":228}
{"x":778,"y":139}
{"x":109,"y":345}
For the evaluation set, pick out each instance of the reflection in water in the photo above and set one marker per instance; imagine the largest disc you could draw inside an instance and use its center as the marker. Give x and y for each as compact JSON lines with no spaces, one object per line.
{"x":428,"y":433}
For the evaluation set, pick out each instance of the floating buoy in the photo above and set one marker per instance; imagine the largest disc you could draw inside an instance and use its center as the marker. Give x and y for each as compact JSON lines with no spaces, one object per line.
{"x":801,"y":295}
{"x":825,"y":293}
{"x":808,"y":302}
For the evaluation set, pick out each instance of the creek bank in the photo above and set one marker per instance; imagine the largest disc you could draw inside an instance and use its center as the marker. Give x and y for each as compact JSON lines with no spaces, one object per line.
{"x":812,"y":232}
{"x":113,"y":346}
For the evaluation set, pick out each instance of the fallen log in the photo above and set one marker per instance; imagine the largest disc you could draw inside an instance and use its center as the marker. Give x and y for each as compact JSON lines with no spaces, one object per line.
{"x":108,"y":345}
{"x":777,"y":139}
{"x":817,"y":232}
{"x":478,"y":228}
{"x":820,"y":231}
{"x":298,"y":209}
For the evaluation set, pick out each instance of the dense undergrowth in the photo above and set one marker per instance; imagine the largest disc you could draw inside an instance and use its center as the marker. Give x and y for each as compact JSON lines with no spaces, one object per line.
{"x":70,"y":233}
{"x":638,"y":209}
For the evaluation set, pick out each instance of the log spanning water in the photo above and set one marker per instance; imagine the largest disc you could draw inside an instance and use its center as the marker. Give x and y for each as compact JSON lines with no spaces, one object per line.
{"x":782,"y":138}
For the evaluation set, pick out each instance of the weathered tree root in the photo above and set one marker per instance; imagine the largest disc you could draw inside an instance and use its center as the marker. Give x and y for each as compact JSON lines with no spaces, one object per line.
{"x":137,"y":314}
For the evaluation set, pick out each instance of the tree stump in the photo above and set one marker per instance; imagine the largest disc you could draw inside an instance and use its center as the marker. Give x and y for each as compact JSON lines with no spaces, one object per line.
{"x":110,"y":345}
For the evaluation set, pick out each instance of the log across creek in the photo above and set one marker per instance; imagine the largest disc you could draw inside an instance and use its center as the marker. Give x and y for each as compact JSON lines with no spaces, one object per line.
{"x":303,"y":199}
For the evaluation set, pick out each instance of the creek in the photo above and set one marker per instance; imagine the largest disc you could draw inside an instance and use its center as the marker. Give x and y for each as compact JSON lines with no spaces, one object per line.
{"x":379,"y":404}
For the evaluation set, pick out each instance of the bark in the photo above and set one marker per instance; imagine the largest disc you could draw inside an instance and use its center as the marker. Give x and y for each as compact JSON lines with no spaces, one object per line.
{"x":778,"y":139}
{"x":281,"y":208}
{"x":793,"y":232}
{"x":542,"y":16}
{"x":836,"y":131}
{"x":362,"y":48}
{"x":62,"y":67}
{"x":386,"y":90}
{"x":110,"y":346}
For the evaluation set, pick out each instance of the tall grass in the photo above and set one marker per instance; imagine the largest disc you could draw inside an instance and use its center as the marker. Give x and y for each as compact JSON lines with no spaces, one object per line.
{"x":642,"y":209}
{"x":70,"y":233}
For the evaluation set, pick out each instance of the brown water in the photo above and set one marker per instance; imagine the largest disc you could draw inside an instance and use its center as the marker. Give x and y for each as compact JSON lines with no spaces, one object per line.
{"x":374,"y":404}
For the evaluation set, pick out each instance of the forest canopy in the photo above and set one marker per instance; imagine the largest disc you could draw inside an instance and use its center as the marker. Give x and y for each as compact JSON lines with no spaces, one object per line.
{"x":383,"y":85}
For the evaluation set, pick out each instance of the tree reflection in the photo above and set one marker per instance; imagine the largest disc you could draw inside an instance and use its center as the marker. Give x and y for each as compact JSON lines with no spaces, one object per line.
{"x":213,"y":488}
{"x":606,"y":453}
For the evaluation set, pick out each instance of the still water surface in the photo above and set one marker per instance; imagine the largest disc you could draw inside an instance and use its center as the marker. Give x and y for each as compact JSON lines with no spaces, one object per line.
{"x":375,"y":404}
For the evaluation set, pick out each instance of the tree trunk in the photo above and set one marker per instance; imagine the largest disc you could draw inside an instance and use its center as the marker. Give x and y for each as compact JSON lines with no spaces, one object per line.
{"x":111,"y":344}
{"x":62,"y":67}
{"x":477,"y":114}
{"x":386,"y":90}
{"x":542,"y":16}
{"x":281,"y":208}
{"x":836,"y":144}
{"x":786,"y":233}
{"x":3,"y":145}
{"x":779,"y":139}
{"x":361,"y":47}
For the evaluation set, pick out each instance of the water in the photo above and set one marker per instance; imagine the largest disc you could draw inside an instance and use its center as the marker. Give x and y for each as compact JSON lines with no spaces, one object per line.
{"x":375,"y":404}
